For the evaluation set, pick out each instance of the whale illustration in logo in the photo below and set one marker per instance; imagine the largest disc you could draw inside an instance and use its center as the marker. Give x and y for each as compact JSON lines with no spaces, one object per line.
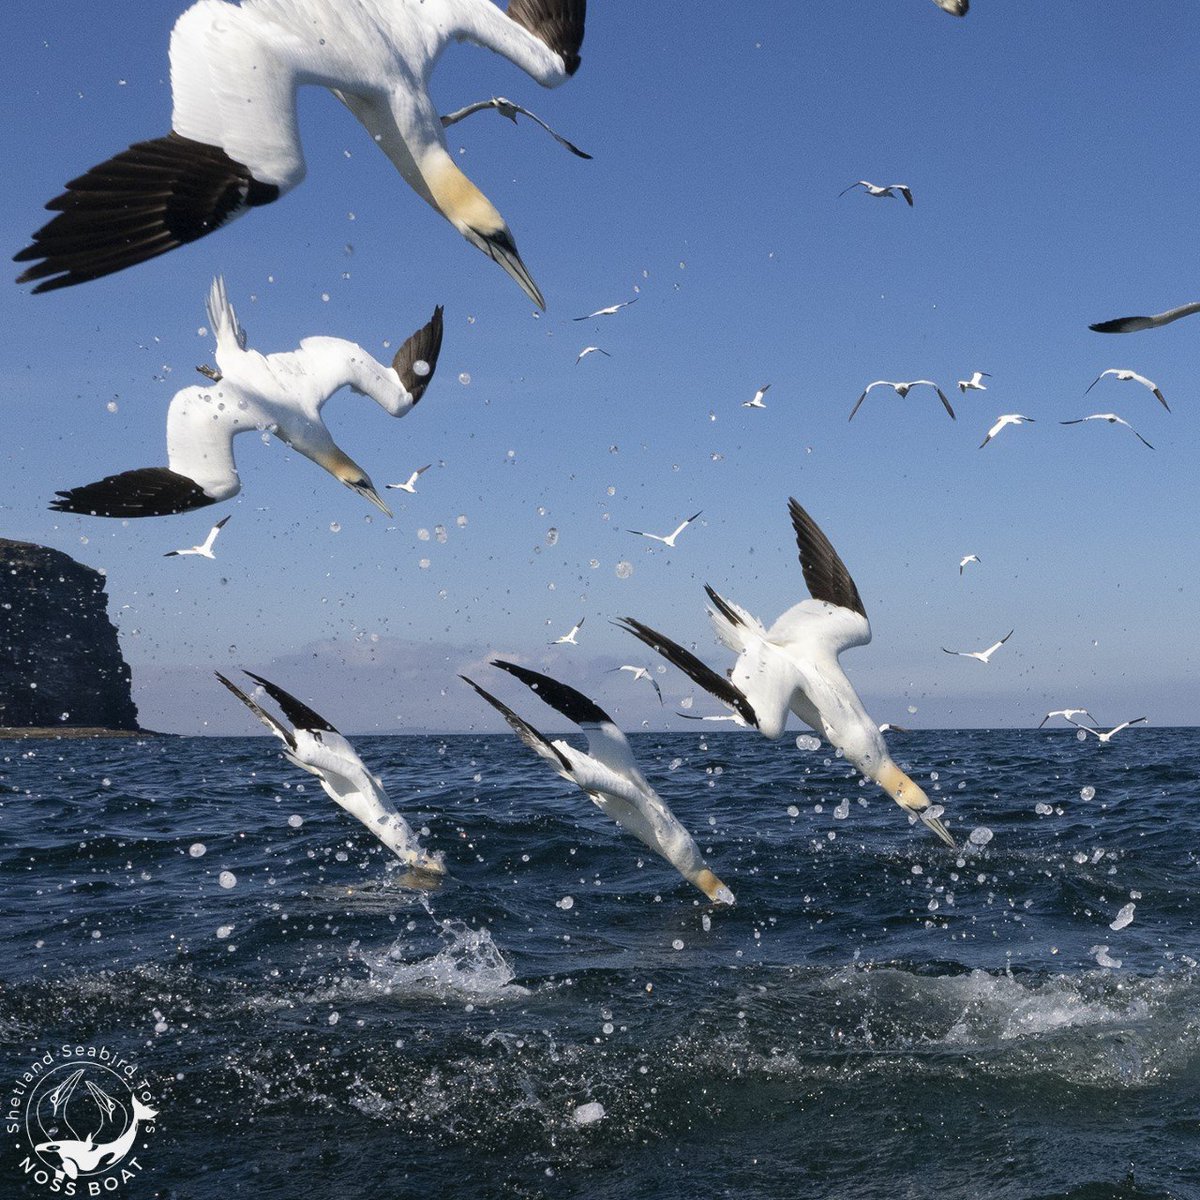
{"x":86,"y":1156}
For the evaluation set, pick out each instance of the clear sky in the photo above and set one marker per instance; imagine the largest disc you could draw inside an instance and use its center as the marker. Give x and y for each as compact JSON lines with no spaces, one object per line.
{"x":1051,"y":149}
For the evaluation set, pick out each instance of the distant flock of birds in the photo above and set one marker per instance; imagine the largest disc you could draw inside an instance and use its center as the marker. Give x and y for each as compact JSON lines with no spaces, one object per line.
{"x":234,"y":145}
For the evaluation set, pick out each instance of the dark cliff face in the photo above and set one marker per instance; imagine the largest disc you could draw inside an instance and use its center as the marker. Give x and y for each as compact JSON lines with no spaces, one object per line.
{"x":60,"y":662}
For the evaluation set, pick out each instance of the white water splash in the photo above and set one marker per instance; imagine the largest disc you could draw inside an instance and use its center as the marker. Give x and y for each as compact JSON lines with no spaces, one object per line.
{"x":469,"y":964}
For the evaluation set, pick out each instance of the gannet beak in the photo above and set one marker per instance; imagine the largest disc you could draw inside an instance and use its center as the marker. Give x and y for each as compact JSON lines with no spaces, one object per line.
{"x":934,"y":824}
{"x":713,"y":888}
{"x":366,"y":489}
{"x":913,"y":800}
{"x":500,"y":248}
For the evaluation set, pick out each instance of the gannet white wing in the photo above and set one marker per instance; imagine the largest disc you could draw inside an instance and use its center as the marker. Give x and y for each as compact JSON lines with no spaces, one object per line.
{"x":1134,"y":324}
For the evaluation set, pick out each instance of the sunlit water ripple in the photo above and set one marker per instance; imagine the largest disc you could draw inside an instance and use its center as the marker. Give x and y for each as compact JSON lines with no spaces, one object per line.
{"x":877,"y":1017}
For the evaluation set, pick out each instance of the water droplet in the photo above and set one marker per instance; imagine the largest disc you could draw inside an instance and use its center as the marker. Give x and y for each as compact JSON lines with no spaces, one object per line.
{"x":295,"y":820}
{"x":806,"y":741}
{"x":552,"y":537}
{"x":677,"y":944}
{"x":980,"y":835}
{"x":111,"y":406}
{"x":1089,"y":792}
{"x":1124,"y":917}
{"x":335,"y":527}
{"x":461,"y":520}
{"x":588,"y":1114}
{"x":223,"y":931}
{"x":624,"y":569}
{"x":421,"y":367}
{"x":227,"y":879}
{"x":792,"y":811}
{"x":567,"y":902}
{"x":197,"y":849}
{"x":842,"y":811}
{"x":464,"y":378}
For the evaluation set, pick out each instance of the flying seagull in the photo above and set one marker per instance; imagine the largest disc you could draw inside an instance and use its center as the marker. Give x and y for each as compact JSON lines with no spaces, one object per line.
{"x":757,"y":401}
{"x":316,"y":747}
{"x":874,"y":189}
{"x":984,"y":656}
{"x":206,"y":547}
{"x":1112,"y":419}
{"x":643,"y":673}
{"x":410,"y":485}
{"x":590,"y":350}
{"x":669,"y":540}
{"x":609,"y":775}
{"x":506,"y":108}
{"x":1135,"y":324}
{"x":902,"y":390}
{"x":1107,"y":737}
{"x":1128,"y":376}
{"x":607,"y":312}
{"x":1069,"y":714}
{"x":969,"y":558}
{"x":235,"y":139}
{"x":793,"y":668}
{"x":975,"y":383}
{"x":1001,"y":422}
{"x":280,"y":393}
{"x":568,"y":639}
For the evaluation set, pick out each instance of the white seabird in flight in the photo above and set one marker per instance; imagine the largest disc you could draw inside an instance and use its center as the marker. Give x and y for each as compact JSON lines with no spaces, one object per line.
{"x":1107,"y":737}
{"x":590,"y":350}
{"x":757,"y":400}
{"x":874,"y":189}
{"x":316,"y":747}
{"x":669,"y":540}
{"x":1001,"y":422}
{"x":793,"y":668}
{"x":969,"y":558}
{"x":902,"y":390}
{"x":410,"y":485}
{"x":975,"y":383}
{"x":984,"y":656}
{"x":506,"y":108}
{"x":609,"y":775}
{"x":607,"y":312}
{"x":206,"y":547}
{"x":1112,"y":419}
{"x":568,"y":639}
{"x":235,"y":139}
{"x":643,"y":673}
{"x":1068,"y":713}
{"x":1131,"y":376}
{"x":1135,"y":324}
{"x":279,"y":393}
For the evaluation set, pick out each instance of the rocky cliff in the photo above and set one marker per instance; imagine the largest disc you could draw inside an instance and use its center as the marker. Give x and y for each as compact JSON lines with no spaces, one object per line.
{"x":60,"y":662}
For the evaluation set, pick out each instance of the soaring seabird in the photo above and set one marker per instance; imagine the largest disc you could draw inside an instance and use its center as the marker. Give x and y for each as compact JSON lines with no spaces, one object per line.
{"x":205,"y":549}
{"x":235,"y":139}
{"x":1131,"y":377}
{"x":902,"y":390}
{"x":506,"y":108}
{"x":669,"y":539}
{"x":278,"y":393}
{"x":876,"y":189}
{"x":609,"y":775}
{"x":984,"y":656}
{"x":793,"y":667}
{"x":1112,"y":419}
{"x":1001,"y":422}
{"x":316,"y":747}
{"x":1110,"y":734}
{"x":975,"y":383}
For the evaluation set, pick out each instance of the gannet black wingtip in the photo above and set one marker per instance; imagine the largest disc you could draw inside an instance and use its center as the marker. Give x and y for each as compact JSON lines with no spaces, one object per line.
{"x":424,"y":346}
{"x":573,"y":705}
{"x":824,"y":572}
{"x":296,"y":711}
{"x":147,"y":200}
{"x":146,"y":492}
{"x":558,"y":23}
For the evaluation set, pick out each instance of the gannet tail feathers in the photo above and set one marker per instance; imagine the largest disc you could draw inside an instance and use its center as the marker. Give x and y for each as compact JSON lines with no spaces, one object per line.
{"x":573,"y":705}
{"x":143,"y":202}
{"x":296,"y":711}
{"x":732,"y":623}
{"x":824,"y":572}
{"x":536,"y":741}
{"x":558,"y":23}
{"x":424,"y":346}
{"x":691,"y":666}
{"x":146,"y":492}
{"x":226,"y":328}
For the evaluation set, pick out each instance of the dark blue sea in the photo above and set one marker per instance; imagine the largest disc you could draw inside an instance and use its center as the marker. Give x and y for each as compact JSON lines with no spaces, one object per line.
{"x":877,"y":1018}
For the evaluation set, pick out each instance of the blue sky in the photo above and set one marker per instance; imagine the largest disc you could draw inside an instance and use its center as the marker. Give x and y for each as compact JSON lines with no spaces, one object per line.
{"x":1051,"y":152}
